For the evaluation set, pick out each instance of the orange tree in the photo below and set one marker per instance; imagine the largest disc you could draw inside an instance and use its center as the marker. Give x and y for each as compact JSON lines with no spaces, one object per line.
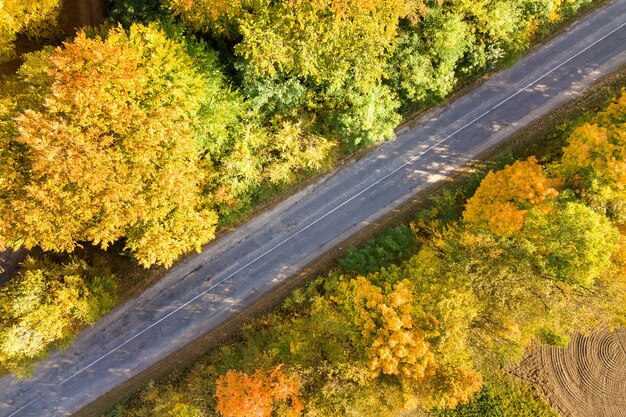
{"x":419,"y":342}
{"x":384,"y":318}
{"x":504,"y":197}
{"x":241,"y":395}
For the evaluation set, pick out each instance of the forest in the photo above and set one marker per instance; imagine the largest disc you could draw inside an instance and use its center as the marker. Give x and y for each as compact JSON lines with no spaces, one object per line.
{"x":427,"y":316}
{"x":174,"y":118}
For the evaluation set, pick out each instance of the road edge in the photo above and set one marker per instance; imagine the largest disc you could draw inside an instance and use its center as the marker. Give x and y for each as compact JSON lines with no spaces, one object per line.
{"x":534,"y":133}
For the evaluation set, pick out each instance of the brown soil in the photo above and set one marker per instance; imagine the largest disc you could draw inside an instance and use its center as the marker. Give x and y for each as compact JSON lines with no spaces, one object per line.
{"x":585,"y":379}
{"x":79,"y":13}
{"x":9,"y":261}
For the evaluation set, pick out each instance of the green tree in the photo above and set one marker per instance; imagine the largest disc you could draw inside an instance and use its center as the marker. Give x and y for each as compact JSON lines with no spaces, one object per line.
{"x":486,"y":294}
{"x":319,"y":64}
{"x":572,"y":243}
{"x":362,"y":117}
{"x":425,"y":60}
{"x":497,"y":27}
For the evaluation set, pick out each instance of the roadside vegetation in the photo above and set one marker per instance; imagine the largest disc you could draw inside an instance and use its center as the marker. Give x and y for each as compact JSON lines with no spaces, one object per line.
{"x":427,"y":317}
{"x":176,"y":117}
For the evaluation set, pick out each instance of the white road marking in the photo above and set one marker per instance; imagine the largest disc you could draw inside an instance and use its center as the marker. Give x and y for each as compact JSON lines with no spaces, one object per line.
{"x":409,"y":162}
{"x":16,"y":412}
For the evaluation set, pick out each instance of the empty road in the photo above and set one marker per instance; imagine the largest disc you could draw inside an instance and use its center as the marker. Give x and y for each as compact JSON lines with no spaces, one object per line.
{"x":205,"y":289}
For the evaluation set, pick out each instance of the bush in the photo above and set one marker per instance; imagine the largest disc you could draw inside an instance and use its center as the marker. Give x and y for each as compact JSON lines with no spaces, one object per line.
{"x":46,"y":304}
{"x":396,"y":244}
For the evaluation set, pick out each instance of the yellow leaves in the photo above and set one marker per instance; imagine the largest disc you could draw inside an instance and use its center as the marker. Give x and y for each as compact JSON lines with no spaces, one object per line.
{"x":111,"y":152}
{"x":384,"y":319}
{"x":344,"y":10}
{"x":585,"y":141}
{"x":590,"y":147}
{"x":504,"y":197}
{"x":595,"y":159}
{"x":505,"y":218}
{"x":327,"y":41}
{"x":457,"y":385}
{"x":209,"y":14}
{"x":34,"y":18}
{"x":290,"y":150}
{"x":555,"y":11}
{"x":46,"y":303}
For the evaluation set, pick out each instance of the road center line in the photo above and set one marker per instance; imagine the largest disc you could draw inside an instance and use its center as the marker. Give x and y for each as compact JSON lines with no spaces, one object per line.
{"x":23,"y":407}
{"x":409,"y":162}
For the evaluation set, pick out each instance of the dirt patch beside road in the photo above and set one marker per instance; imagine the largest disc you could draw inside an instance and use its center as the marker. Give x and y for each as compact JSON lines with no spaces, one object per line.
{"x":585,"y":379}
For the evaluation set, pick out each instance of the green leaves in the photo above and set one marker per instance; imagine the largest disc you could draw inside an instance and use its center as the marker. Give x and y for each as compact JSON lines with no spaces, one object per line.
{"x":425,"y":60}
{"x":573,"y":243}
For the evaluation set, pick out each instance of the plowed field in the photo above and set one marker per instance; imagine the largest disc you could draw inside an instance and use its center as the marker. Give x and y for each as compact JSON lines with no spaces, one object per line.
{"x":585,"y":379}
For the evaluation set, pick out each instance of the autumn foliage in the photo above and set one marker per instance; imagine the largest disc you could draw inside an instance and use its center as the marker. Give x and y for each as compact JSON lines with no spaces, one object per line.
{"x":384,"y":318}
{"x":145,"y":135}
{"x":241,"y":395}
{"x":504,"y":197}
{"x":33,"y":18}
{"x":207,"y":13}
{"x":594,"y":161}
{"x":381,"y":338}
{"x":111,"y":152}
{"x":45,"y":304}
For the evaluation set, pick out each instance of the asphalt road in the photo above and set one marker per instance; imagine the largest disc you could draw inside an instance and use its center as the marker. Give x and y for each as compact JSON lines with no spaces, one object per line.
{"x":204,"y":290}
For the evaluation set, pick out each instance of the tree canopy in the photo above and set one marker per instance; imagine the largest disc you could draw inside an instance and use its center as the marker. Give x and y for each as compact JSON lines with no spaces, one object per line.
{"x":504,"y":197}
{"x":110,"y":151}
{"x":242,"y":395}
{"x":319,"y":63}
{"x":594,"y":161}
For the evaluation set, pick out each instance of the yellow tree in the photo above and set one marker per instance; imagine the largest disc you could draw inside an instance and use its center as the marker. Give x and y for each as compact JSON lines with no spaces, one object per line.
{"x":33,"y":18}
{"x":594,"y":161}
{"x":110,"y":152}
{"x":328,"y":41}
{"x":212,"y":15}
{"x":504,"y":197}
{"x":384,"y":318}
{"x":402,"y":336}
{"x":46,"y":303}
